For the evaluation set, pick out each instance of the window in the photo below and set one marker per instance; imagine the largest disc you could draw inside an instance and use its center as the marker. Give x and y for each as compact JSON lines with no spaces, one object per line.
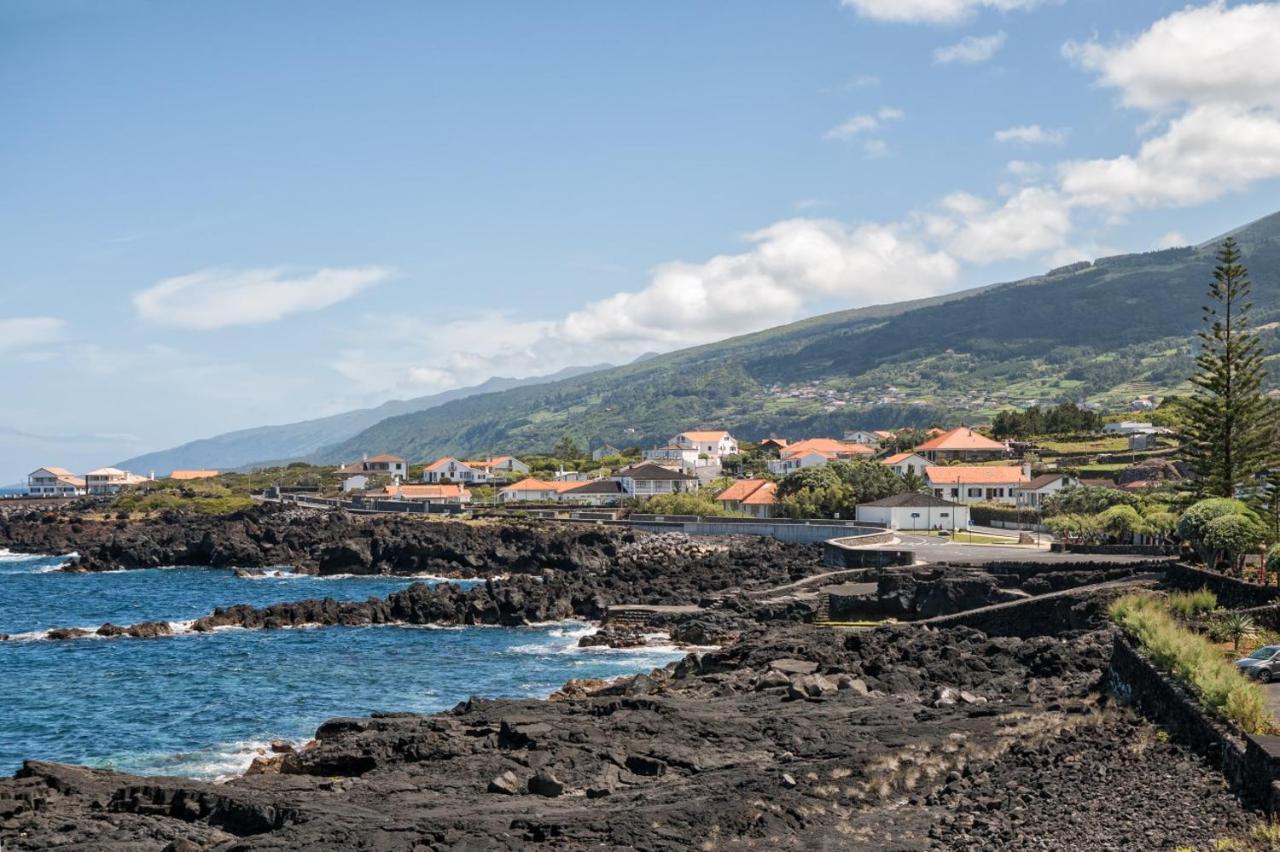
{"x":975,"y":492}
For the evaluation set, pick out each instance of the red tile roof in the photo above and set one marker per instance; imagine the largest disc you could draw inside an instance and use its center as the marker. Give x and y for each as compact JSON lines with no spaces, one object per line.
{"x":942,"y":475}
{"x":741,"y":490}
{"x":962,"y":438}
{"x":826,"y":446}
{"x":427,"y":492}
{"x":765,"y":495}
{"x":697,"y":437}
{"x":193,"y":474}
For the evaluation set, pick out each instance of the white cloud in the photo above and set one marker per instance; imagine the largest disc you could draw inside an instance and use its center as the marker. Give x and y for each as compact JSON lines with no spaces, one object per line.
{"x":1023,"y":168}
{"x":1204,"y":154}
{"x":1031,"y":134}
{"x":789,"y":268}
{"x":930,"y":11}
{"x":1207,"y":55}
{"x":216,"y":298}
{"x":1034,"y":220}
{"x":1173,"y":239}
{"x":862,"y":124}
{"x":24,"y":333}
{"x":970,"y":50}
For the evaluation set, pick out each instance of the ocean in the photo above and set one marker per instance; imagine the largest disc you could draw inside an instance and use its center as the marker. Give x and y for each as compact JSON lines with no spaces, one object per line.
{"x":204,"y":705}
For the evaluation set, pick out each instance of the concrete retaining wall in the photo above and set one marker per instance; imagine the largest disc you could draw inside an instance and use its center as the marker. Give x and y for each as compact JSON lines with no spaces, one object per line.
{"x":844,"y":552}
{"x":1250,"y":763}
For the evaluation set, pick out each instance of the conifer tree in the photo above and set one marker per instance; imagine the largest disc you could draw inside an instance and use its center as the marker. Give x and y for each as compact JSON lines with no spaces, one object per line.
{"x":1228,"y":438}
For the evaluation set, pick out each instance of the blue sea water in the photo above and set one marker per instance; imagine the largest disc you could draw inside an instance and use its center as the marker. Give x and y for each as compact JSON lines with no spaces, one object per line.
{"x":204,"y":705}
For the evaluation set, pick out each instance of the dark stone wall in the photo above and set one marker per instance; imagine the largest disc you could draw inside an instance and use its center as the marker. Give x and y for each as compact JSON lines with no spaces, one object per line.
{"x":1250,"y":763}
{"x":1231,"y":592}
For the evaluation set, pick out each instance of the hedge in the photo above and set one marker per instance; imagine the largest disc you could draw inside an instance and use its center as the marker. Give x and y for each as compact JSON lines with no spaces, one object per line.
{"x":985,"y":513}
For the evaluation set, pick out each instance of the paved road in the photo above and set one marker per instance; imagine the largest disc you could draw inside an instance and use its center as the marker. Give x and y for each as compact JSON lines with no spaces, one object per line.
{"x":937,"y":549}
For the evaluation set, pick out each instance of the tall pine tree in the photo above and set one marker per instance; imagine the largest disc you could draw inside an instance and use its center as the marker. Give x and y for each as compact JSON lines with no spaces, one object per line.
{"x":1228,"y":437}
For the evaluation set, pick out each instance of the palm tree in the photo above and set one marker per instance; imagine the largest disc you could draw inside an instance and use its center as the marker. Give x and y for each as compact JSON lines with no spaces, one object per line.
{"x":1238,"y":625}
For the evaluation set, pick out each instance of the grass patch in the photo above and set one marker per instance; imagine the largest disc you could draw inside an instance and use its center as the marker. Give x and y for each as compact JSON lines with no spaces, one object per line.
{"x":1193,"y":604}
{"x":1193,"y":660}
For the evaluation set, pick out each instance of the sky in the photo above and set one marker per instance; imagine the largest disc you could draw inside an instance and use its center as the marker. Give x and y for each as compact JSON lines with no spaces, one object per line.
{"x":221,"y":215}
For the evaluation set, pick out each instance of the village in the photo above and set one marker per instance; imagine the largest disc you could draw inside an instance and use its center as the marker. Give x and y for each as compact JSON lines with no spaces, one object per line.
{"x":924,"y":480}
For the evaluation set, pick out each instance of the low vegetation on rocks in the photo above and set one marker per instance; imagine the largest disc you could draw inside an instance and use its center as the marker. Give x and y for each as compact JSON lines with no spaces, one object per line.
{"x":1194,"y":660}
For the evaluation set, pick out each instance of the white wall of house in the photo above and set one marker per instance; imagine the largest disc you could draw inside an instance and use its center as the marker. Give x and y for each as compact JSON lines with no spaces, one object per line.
{"x":454,"y":471}
{"x":511,"y":465}
{"x":781,"y":467}
{"x":1028,"y":499}
{"x":43,"y":483}
{"x":915,"y":517}
{"x":727,"y":445}
{"x":358,"y":482}
{"x":861,"y":436}
{"x":976,"y":493}
{"x":911,"y":464}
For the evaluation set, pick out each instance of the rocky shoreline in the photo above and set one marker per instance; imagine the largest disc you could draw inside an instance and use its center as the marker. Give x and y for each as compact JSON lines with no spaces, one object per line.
{"x":789,"y":735}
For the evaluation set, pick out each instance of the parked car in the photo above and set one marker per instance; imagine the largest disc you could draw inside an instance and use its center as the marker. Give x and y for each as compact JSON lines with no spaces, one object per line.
{"x":1263,"y":664}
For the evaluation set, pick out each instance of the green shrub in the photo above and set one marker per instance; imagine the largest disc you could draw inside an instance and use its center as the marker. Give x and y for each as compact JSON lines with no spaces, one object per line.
{"x":1193,"y":604}
{"x":1194,"y":661}
{"x":984,"y":513}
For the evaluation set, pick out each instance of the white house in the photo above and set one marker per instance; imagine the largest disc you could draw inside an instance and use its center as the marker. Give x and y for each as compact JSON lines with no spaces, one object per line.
{"x":755,"y":497}
{"x":109,"y":480}
{"x":904,"y":464}
{"x":383,"y":464}
{"x":685,"y":458}
{"x":531,"y":490}
{"x":914,"y":512}
{"x":815,"y":452}
{"x":1033,"y":494}
{"x":869,"y":437}
{"x":453,"y":470}
{"x":648,"y":479}
{"x":1129,"y":427}
{"x":597,"y":492}
{"x":977,"y":483}
{"x":789,"y":464}
{"x":962,"y":444}
{"x":713,"y":444}
{"x":507,"y":465}
{"x":355,"y":482}
{"x":54,"y":482}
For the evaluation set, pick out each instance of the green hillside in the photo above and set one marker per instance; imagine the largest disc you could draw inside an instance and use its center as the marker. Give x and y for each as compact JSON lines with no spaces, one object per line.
{"x":1107,"y":331}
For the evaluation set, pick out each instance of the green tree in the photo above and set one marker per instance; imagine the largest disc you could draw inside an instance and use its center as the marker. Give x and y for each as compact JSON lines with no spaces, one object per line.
{"x":1121,"y":523}
{"x":1232,"y":537}
{"x":567,"y":449}
{"x":1086,"y":500}
{"x":1194,"y":523}
{"x":1228,"y":440}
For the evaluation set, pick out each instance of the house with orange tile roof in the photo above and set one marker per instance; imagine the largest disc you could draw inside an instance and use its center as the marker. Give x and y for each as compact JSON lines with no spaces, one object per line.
{"x":452,"y":494}
{"x":904,"y":464}
{"x":534,"y":490}
{"x":755,"y":497}
{"x":188,"y":475}
{"x":498,"y":466}
{"x":449,"y":468}
{"x":962,"y":444}
{"x":978,"y":483}
{"x":54,"y":482}
{"x":815,"y":452}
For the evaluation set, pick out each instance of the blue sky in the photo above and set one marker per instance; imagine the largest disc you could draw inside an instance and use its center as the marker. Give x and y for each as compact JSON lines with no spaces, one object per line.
{"x":227,"y":214}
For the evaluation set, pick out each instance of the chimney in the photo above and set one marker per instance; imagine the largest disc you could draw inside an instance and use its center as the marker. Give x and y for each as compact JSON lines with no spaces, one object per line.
{"x":1026,"y":470}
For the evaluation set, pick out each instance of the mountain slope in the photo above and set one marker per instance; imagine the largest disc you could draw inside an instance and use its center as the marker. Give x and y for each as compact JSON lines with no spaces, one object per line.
{"x":292,"y":440}
{"x":1106,"y":331}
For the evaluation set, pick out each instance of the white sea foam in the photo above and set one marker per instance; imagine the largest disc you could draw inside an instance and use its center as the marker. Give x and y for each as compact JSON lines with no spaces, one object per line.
{"x":220,"y":762}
